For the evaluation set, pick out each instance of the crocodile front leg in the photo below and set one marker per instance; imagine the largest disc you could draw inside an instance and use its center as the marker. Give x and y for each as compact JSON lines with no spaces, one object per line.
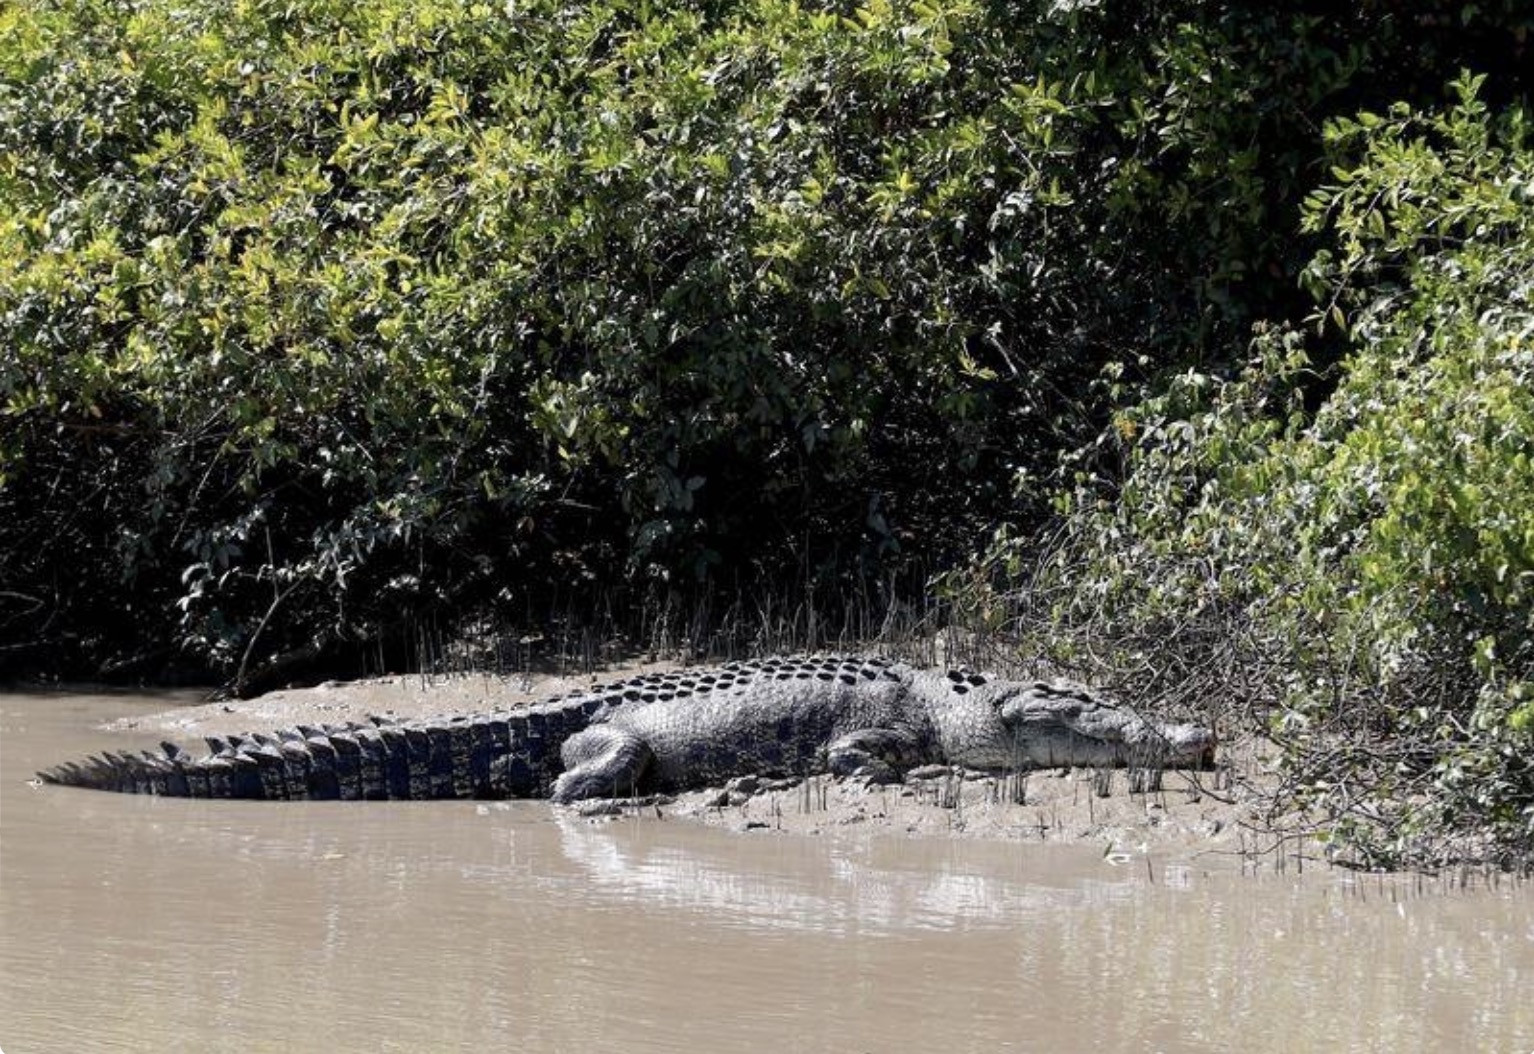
{"x":601,"y":762}
{"x":880,"y":754}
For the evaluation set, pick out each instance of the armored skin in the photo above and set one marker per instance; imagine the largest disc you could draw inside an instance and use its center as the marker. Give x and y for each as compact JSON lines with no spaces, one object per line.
{"x":689,"y":728}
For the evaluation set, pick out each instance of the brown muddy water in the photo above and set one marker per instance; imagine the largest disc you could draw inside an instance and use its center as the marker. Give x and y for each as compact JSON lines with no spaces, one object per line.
{"x":141,"y":924}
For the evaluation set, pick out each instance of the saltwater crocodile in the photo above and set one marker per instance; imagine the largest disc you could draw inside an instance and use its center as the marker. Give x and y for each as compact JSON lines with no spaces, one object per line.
{"x":792,"y":716}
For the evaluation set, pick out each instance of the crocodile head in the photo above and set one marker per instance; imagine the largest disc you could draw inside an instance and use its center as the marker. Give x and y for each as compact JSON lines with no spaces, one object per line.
{"x":1181,"y":746}
{"x":1066,"y":725}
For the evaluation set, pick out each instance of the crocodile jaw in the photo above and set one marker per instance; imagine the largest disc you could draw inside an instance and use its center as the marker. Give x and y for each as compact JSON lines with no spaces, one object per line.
{"x":1052,"y":726}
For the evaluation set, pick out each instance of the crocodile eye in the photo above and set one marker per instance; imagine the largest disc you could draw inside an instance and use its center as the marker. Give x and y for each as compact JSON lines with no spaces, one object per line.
{"x":1007,"y":702}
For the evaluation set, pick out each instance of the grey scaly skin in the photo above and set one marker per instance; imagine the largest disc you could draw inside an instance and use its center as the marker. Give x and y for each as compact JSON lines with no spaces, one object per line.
{"x":671,"y":731}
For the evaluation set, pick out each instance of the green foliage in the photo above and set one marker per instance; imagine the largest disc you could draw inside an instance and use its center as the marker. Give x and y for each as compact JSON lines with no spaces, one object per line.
{"x":1380,"y":551}
{"x":320,"y":316}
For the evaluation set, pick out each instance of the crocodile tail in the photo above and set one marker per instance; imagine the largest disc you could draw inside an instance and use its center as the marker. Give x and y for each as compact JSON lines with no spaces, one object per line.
{"x":498,"y":755}
{"x":226,"y":772}
{"x":172,"y":772}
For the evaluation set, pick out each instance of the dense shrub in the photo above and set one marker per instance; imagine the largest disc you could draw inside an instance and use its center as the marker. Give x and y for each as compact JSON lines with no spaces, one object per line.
{"x":1361,"y":578}
{"x":319,"y":317}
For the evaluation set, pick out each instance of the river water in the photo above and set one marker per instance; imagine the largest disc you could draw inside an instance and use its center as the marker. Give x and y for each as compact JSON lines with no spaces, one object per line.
{"x":142,"y":924}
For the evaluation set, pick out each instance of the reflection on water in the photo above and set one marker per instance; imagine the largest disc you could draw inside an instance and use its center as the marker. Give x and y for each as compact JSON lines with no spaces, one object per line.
{"x":142,"y":924}
{"x":881,"y":887}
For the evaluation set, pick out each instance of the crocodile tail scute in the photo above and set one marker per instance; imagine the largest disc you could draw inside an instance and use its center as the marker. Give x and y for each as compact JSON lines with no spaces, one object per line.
{"x":171,"y":773}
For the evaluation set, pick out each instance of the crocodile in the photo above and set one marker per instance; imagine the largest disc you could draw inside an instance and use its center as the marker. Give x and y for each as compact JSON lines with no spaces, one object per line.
{"x":844,"y":715}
